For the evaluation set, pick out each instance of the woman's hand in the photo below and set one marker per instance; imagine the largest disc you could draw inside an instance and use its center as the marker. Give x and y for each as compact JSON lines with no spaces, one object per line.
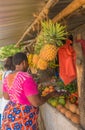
{"x":37,"y":100}
{"x":52,"y":94}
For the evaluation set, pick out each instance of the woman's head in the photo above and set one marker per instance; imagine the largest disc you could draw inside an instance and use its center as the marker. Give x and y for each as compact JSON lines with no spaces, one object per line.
{"x":9,"y":64}
{"x":20,"y":61}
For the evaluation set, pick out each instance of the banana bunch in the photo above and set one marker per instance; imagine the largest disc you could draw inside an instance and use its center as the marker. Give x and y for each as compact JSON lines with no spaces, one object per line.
{"x":54,"y":33}
{"x":30,"y":57}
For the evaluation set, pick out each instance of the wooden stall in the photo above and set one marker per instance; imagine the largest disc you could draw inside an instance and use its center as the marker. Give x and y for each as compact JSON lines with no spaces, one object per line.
{"x":69,"y":13}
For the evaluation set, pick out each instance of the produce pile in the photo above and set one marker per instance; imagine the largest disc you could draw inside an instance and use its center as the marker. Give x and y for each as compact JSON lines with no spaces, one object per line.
{"x":47,"y":90}
{"x":71,"y":89}
{"x":66,"y":101}
{"x":71,"y":111}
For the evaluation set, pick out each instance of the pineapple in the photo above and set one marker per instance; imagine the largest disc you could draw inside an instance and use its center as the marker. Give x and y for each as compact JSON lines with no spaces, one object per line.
{"x":42,"y":64}
{"x":54,"y":33}
{"x":48,"y":42}
{"x":48,"y":52}
{"x":35,"y":60}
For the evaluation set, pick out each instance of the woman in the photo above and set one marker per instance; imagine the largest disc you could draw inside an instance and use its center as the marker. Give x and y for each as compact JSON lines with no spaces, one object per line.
{"x":9,"y":68}
{"x":22,"y":110}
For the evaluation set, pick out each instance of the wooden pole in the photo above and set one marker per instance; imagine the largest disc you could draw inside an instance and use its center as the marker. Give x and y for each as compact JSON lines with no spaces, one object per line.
{"x":41,"y":16}
{"x":69,"y":9}
{"x":80,"y":65}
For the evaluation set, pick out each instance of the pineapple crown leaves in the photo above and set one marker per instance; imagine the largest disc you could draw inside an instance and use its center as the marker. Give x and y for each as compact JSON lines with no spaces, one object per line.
{"x":50,"y":33}
{"x":54,"y":33}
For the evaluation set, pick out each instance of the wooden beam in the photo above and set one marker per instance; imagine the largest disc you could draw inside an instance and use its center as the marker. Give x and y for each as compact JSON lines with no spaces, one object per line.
{"x":69,"y":9}
{"x":80,"y":65}
{"x":41,"y":16}
{"x":29,"y":41}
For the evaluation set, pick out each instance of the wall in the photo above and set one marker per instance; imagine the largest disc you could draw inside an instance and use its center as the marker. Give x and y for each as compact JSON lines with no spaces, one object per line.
{"x":54,"y":120}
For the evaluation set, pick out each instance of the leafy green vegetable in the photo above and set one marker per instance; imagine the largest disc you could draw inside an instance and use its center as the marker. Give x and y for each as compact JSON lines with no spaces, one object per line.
{"x":72,"y":87}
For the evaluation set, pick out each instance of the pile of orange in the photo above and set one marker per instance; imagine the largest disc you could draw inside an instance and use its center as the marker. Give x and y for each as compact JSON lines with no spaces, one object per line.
{"x":48,"y":90}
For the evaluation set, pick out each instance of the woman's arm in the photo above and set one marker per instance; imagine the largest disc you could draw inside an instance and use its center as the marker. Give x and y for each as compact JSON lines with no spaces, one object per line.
{"x":6,"y":96}
{"x":32,"y":93}
{"x":37,"y":100}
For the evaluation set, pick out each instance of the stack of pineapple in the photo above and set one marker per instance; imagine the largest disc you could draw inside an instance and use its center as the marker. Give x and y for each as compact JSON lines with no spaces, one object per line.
{"x":48,"y":42}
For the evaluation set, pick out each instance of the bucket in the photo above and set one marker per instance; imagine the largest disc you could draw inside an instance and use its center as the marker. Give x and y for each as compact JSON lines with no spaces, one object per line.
{"x":0,"y":120}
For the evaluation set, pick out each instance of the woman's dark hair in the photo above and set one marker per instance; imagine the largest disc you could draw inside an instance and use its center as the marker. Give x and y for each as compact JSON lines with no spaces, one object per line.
{"x":19,"y":57}
{"x":9,"y":64}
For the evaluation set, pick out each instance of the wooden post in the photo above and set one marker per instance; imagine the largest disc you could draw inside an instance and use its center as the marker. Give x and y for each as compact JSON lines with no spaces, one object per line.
{"x":80,"y":65}
{"x":75,"y":4}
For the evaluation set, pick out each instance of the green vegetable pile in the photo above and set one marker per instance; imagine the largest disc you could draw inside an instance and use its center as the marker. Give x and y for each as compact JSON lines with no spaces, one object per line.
{"x":71,"y":88}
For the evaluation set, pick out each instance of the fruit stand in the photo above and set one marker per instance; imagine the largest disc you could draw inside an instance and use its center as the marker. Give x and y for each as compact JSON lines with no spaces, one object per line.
{"x":66,"y":106}
{"x":66,"y":103}
{"x":63,"y":108}
{"x":51,"y":44}
{"x":55,"y":48}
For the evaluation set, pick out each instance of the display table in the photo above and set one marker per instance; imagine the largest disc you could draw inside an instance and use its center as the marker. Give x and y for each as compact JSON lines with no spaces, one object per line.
{"x":52,"y":119}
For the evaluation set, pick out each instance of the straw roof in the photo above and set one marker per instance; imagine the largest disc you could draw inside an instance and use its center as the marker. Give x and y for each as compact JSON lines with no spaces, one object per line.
{"x":15,"y":17}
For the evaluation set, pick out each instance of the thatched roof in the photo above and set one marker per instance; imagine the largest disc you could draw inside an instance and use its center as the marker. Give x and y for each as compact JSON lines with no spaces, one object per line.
{"x":15,"y":17}
{"x":20,"y":19}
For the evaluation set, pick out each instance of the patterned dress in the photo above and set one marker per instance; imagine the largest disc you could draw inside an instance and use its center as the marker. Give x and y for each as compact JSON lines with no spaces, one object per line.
{"x":19,"y":114}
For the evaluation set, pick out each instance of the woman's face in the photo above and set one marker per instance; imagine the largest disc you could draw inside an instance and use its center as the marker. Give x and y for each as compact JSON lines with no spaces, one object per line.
{"x":25,"y":66}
